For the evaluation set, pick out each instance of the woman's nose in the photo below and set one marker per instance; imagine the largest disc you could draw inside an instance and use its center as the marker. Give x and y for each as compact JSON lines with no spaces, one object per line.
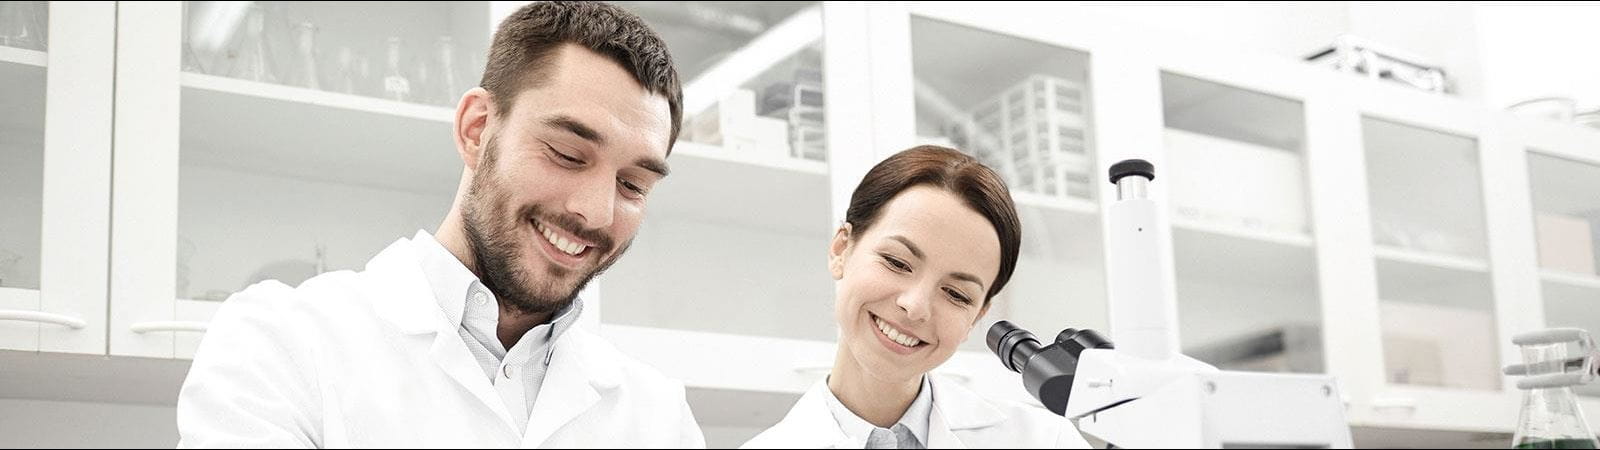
{"x":915,"y":303}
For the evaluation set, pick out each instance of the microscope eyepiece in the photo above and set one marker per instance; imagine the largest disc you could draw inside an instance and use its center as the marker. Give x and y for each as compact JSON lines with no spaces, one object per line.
{"x":1012,"y":344}
{"x":1132,"y":167}
{"x":1047,"y":371}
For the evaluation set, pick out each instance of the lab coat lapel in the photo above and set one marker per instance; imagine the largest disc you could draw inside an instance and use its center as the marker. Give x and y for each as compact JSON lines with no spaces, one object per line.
{"x":395,"y":277}
{"x":957,"y":409}
{"x":573,"y":384}
{"x":810,"y":424}
{"x":452,"y":357}
{"x":939,"y":433}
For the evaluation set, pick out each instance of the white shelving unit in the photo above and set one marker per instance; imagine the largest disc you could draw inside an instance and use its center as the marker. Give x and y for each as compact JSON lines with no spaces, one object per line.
{"x":1415,"y":205}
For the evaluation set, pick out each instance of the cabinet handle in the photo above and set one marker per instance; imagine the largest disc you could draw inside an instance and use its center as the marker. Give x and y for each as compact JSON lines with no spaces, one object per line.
{"x":43,"y":317}
{"x":155,"y":327}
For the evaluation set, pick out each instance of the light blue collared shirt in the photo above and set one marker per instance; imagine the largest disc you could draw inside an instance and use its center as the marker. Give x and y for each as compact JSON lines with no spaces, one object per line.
{"x":517,"y":373}
{"x":911,"y":432}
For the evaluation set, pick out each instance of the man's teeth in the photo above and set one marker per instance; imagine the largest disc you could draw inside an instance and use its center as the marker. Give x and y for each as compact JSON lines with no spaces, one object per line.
{"x":566,"y":246}
{"x":896,"y":335}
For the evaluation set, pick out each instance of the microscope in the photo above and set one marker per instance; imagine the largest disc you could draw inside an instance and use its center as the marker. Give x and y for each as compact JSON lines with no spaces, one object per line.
{"x":1141,"y":392}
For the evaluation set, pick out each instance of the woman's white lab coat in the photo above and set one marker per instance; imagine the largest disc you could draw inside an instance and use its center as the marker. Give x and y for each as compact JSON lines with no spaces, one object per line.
{"x":368,"y":359}
{"x":960,"y":419}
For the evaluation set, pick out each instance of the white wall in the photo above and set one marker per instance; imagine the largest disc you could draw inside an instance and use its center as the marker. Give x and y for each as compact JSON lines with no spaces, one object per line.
{"x":1537,"y":49}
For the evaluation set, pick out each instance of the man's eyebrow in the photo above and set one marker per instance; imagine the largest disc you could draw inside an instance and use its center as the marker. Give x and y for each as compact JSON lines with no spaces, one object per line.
{"x":576,"y":128}
{"x":654,"y":165}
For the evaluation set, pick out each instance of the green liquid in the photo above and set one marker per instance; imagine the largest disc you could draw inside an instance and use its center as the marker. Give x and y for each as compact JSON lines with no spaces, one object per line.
{"x":1557,"y":443}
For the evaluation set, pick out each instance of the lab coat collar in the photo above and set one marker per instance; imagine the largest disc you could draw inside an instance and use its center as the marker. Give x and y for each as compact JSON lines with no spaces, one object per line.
{"x":401,"y":292}
{"x":957,"y":408}
{"x":577,"y":375}
{"x":401,"y":295}
{"x":811,"y":424}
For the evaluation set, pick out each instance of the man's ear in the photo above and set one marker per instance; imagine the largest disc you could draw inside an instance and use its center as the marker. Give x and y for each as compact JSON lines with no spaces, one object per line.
{"x":839,"y":250}
{"x":471,"y":125}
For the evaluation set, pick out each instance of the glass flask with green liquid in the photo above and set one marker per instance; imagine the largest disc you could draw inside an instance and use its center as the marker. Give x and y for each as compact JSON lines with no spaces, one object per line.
{"x":1551,"y":417}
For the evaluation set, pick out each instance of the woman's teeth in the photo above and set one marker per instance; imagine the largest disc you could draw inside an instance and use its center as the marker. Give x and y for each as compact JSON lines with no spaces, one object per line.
{"x":896,"y":335}
{"x":566,"y":246}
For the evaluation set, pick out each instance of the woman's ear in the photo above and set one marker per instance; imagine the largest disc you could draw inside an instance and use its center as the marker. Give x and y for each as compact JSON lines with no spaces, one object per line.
{"x":838,"y":250}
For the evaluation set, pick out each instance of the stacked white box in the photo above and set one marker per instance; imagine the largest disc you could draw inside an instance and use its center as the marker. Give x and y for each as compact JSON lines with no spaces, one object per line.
{"x":800,"y":104}
{"x":1228,"y":182}
{"x":733,"y":124}
{"x":1033,"y":134}
{"x":1566,"y":243}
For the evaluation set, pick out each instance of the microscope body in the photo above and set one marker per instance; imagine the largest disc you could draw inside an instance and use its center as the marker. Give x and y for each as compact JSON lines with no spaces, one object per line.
{"x":1144,"y":393}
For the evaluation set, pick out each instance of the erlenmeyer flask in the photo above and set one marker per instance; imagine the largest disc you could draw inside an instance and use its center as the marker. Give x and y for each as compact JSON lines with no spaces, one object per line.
{"x":449,"y":80}
{"x":395,"y":84}
{"x":1551,"y":417}
{"x":305,"y":72}
{"x":252,"y":57}
{"x":22,"y":25}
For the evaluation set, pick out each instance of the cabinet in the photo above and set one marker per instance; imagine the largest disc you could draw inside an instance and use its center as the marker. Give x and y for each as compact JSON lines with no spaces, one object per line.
{"x":151,"y":164}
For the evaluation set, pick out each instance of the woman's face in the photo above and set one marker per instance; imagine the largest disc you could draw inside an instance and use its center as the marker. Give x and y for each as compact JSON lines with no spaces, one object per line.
{"x":911,"y":287}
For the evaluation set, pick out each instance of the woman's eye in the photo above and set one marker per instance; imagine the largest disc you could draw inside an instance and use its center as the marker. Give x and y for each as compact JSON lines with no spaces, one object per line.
{"x":958,"y":296}
{"x":897,"y":264}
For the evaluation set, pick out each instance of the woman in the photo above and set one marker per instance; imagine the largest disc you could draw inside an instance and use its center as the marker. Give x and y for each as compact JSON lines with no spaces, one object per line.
{"x":929,"y":238}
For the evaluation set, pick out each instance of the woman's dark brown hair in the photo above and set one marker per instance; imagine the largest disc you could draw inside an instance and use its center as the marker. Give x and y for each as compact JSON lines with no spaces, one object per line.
{"x":953,"y":171}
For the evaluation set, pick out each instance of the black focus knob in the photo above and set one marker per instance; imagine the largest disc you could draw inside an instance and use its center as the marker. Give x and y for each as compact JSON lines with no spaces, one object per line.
{"x":1133,"y":167}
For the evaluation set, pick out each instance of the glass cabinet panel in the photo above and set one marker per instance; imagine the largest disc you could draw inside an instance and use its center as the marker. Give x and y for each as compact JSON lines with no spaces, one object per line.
{"x":1241,"y":230}
{"x":1436,"y":300}
{"x":1022,"y":108}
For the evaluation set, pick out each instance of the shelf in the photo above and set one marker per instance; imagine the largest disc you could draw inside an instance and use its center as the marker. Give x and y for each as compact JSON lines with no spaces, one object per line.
{"x":1580,"y":281}
{"x":1284,"y":238}
{"x":1221,"y":270}
{"x":960,"y":64}
{"x":307,"y":134}
{"x":1571,"y":300}
{"x":1215,"y":109}
{"x":22,"y":56}
{"x":1426,"y":259}
{"x":1236,"y":256}
{"x":1411,"y":276}
{"x":715,"y":185}
{"x":1443,"y":211}
{"x":1058,"y":228}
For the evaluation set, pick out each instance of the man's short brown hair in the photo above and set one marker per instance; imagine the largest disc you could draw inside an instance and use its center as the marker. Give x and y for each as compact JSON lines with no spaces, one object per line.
{"x":525,"y":45}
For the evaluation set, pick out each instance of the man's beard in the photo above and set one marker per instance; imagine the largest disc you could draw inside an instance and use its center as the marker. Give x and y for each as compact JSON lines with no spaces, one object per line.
{"x":497,"y":253}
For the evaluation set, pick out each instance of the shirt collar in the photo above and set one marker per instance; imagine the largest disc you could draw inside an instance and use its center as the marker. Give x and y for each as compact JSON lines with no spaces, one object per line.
{"x":858,"y":429}
{"x":456,"y":289}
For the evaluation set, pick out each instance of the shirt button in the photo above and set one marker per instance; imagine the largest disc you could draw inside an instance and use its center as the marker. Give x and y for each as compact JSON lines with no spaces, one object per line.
{"x":480,"y":298}
{"x":506,"y":370}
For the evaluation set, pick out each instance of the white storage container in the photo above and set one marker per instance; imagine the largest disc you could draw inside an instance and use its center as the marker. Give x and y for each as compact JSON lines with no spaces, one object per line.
{"x":1232,"y":183}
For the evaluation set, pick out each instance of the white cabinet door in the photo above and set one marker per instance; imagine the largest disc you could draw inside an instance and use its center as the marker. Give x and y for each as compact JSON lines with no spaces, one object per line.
{"x":55,"y":174}
{"x":733,"y":246}
{"x":261,"y":141}
{"x":1563,"y":172}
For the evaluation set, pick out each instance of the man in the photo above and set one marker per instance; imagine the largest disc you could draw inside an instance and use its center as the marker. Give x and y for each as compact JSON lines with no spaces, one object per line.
{"x":465,"y":338}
